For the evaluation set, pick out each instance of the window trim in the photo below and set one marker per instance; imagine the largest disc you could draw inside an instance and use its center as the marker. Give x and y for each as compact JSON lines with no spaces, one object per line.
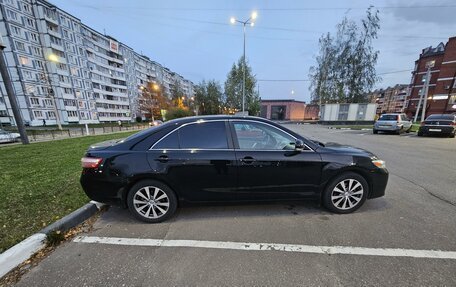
{"x":228,"y":135}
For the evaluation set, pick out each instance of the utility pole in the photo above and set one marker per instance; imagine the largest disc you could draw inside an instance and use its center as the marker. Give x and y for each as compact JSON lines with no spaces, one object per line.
{"x":424,"y":94}
{"x":11,"y":95}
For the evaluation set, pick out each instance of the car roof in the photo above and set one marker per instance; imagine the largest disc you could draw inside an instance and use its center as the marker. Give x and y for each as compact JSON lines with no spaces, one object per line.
{"x":215,"y":117}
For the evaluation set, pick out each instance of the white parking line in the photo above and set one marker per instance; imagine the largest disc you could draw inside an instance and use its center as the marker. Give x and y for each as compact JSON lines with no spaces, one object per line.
{"x":249,"y":246}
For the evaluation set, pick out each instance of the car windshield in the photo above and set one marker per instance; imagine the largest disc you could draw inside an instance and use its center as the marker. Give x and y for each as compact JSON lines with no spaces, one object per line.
{"x":388,"y":118}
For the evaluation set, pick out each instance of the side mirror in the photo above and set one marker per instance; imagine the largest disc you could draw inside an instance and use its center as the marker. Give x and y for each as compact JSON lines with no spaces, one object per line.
{"x":299,"y":144}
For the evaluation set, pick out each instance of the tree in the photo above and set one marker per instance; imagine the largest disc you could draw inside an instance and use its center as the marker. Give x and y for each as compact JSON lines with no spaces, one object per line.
{"x":152,"y":100}
{"x":233,"y":89}
{"x":176,"y":94}
{"x":209,"y":97}
{"x":345,"y":68}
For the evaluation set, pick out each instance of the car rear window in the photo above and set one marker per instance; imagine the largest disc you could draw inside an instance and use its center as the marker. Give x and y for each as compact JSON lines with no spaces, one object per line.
{"x":441,"y":117}
{"x":388,"y":118}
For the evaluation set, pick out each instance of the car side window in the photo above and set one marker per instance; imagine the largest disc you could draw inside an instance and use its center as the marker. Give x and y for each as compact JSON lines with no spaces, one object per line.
{"x":259,"y":136}
{"x":203,"y":135}
{"x":170,"y":141}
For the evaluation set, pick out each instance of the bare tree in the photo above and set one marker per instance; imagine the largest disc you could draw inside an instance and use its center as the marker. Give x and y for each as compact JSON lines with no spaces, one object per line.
{"x":345,"y":68}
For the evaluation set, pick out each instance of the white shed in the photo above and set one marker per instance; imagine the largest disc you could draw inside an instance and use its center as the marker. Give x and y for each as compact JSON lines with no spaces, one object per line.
{"x":348,"y":112}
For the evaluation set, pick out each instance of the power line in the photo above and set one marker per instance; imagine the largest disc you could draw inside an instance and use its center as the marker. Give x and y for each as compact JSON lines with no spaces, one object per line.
{"x":271,"y":9}
{"x":308,"y":80}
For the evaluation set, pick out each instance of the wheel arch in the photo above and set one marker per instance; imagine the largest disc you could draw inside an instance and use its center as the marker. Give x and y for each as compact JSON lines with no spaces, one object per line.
{"x":353,"y":169}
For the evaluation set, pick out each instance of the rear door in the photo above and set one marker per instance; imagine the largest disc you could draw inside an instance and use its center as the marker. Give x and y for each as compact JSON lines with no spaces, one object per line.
{"x":268,"y":165}
{"x":197,"y":160}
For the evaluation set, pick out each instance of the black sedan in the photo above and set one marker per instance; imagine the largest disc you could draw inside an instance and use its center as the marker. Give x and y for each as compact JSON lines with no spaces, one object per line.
{"x":227,"y":159}
{"x":439,"y":124}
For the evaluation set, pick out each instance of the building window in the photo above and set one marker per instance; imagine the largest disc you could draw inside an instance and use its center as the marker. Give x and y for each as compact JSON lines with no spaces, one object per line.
{"x":29,"y":22}
{"x":26,"y":8}
{"x":34,"y":37}
{"x":38,"y":114}
{"x":11,"y":15}
{"x":16,"y":31}
{"x":278,"y":112}
{"x":48,"y":103}
{"x":343,"y":112}
{"x":39,"y":64}
{"x":24,"y":61}
{"x":20,"y":46}
{"x":36,"y":51}
{"x":51,"y":115}
{"x":34,"y":101}
{"x":27,"y":75}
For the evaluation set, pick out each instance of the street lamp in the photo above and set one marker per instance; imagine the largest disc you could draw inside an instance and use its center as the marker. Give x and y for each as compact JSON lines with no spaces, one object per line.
{"x":54,"y":59}
{"x":250,"y":22}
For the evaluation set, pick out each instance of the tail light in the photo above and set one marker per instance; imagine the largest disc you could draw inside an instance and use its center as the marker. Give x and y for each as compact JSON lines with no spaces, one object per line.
{"x":91,"y":162}
{"x":453,"y":123}
{"x":398,"y":119}
{"x":422,"y":123}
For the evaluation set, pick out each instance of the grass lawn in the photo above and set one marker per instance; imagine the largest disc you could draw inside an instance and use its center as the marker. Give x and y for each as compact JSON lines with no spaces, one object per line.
{"x":39,"y":183}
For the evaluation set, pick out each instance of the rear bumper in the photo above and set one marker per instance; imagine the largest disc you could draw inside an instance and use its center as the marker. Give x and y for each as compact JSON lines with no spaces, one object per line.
{"x":387,"y":128}
{"x":437,"y":129}
{"x":97,"y":187}
{"x":379,"y":180}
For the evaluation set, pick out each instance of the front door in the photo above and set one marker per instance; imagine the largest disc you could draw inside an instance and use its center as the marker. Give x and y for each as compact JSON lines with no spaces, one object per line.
{"x":268,"y":165}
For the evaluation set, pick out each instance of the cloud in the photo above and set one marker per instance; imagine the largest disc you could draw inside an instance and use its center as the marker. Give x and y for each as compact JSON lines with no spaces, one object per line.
{"x":437,"y":12}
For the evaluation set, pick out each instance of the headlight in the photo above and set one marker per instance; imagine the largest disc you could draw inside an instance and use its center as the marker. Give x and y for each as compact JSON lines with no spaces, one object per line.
{"x":379,"y":163}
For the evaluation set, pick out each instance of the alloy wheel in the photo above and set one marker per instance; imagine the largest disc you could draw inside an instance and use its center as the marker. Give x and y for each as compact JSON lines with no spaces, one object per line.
{"x":151,"y":202}
{"x":347,"y":194}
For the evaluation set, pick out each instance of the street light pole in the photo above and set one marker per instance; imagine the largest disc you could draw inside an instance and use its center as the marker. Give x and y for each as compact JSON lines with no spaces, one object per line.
{"x":12,"y":96}
{"x":244,"y":68}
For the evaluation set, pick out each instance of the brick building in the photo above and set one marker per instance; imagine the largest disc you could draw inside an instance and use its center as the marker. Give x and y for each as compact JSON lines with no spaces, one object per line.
{"x":288,"y":110}
{"x":389,"y":100}
{"x":441,"y":97}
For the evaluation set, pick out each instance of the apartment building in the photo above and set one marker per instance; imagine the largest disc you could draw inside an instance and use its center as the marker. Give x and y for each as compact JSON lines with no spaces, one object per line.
{"x":390,"y":100}
{"x":57,"y":63}
{"x":441,"y":97}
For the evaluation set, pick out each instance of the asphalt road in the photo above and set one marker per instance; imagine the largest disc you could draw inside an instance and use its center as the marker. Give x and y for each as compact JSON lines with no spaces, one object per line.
{"x":418,"y":213}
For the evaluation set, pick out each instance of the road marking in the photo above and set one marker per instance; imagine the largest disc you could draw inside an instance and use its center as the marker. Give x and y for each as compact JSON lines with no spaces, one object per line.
{"x":249,"y":246}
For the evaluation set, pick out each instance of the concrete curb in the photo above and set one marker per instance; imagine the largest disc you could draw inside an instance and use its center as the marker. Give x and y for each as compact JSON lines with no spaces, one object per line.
{"x":20,"y":252}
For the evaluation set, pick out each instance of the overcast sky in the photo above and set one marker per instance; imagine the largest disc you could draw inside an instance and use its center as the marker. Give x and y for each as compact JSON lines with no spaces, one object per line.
{"x":196,"y":40}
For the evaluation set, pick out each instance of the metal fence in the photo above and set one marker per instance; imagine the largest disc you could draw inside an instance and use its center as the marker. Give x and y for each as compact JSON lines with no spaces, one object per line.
{"x":47,"y":135}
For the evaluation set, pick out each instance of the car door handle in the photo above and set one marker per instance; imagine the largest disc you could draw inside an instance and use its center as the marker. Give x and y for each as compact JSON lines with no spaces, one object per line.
{"x":247,"y":160}
{"x":163,"y":158}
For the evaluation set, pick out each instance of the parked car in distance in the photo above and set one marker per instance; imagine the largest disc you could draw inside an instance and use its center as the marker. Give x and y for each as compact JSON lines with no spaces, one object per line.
{"x":7,"y":137}
{"x":396,"y":123}
{"x":227,"y":159}
{"x":155,"y":123}
{"x":438,"y":124}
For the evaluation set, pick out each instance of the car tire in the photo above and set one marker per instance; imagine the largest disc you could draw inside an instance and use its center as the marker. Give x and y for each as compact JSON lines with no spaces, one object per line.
{"x":420,"y":134}
{"x":345,"y":189}
{"x":375,"y":131}
{"x":408,"y":130}
{"x":151,"y":201}
{"x":453,"y":135}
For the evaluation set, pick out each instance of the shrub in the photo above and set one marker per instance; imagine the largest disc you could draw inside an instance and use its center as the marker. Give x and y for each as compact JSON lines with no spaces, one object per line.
{"x":177,"y":112}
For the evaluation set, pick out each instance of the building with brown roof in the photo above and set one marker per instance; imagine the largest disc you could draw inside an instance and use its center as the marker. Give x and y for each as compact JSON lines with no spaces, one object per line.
{"x":441,"y":96}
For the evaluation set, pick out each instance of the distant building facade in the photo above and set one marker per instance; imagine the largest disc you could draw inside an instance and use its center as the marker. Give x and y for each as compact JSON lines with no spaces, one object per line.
{"x":289,"y":110}
{"x":390,"y":100}
{"x":441,"y":96}
{"x":93,"y":77}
